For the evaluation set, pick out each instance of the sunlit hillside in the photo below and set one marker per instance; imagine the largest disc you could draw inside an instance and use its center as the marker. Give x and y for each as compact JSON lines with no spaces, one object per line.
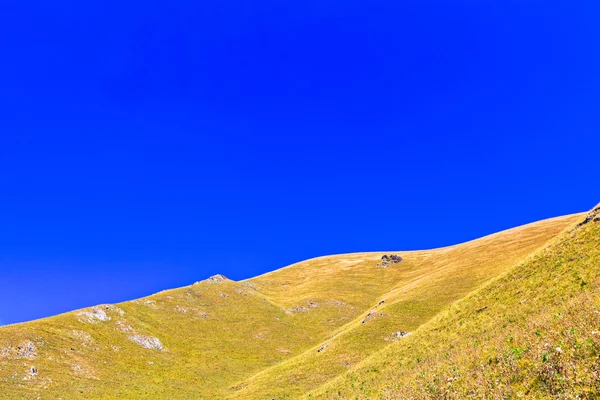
{"x":340,"y":326}
{"x":534,"y":332}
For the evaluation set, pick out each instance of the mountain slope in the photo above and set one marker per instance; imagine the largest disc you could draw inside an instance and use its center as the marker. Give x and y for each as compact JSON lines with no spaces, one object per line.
{"x":258,"y":338}
{"x":533,"y":332}
{"x":431,"y":281}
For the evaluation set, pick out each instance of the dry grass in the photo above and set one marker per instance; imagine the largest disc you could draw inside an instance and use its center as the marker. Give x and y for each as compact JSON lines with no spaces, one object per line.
{"x":534,"y":332}
{"x":259,"y":338}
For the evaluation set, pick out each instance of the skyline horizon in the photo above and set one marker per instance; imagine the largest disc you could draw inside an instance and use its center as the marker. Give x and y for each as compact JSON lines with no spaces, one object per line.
{"x":145,"y":144}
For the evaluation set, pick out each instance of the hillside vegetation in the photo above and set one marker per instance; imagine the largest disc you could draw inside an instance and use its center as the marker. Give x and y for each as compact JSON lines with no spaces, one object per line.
{"x":441,"y":323}
{"x":534,"y":332}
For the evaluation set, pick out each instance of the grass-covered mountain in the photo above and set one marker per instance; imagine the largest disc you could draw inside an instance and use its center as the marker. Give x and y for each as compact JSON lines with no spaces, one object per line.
{"x":508,"y":315}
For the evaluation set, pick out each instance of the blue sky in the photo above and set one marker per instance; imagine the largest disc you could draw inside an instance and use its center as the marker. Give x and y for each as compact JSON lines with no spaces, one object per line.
{"x":146,"y":146}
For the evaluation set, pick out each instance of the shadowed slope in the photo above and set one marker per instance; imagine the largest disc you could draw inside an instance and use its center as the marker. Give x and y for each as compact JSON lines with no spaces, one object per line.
{"x":221,"y":338}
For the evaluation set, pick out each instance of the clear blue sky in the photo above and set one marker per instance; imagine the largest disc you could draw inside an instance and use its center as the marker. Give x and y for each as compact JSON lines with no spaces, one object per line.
{"x":147,"y":145}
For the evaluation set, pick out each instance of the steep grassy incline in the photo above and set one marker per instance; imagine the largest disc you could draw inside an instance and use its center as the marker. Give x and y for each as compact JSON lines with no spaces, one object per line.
{"x":534,"y":332}
{"x":256,"y":338}
{"x":428,"y":282}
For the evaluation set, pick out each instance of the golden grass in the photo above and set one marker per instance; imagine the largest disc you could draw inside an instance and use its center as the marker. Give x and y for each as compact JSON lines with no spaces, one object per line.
{"x":534,"y":332}
{"x":259,"y":338}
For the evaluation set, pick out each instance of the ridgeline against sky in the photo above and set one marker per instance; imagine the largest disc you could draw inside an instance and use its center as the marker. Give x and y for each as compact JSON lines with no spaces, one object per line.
{"x":146,"y":146}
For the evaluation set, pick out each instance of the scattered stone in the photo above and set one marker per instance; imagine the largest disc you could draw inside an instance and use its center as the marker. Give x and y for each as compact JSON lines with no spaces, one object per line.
{"x":83,"y":336}
{"x":224,"y":295}
{"x":33,"y":371}
{"x":322,"y":348}
{"x":92,"y":317}
{"x":217,"y":278}
{"x":27,"y":350}
{"x":371,"y":315}
{"x":285,"y":351}
{"x":181,"y":309}
{"x":75,"y":367}
{"x":124,"y":327}
{"x":313,"y":305}
{"x":110,"y":307}
{"x":148,"y":302}
{"x":299,"y":309}
{"x":115,"y":348}
{"x":381,"y":302}
{"x":401,"y":334}
{"x":148,"y":342}
{"x":250,"y":286}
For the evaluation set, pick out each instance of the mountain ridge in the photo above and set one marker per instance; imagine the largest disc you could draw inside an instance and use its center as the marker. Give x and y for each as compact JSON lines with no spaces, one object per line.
{"x":281,"y":334}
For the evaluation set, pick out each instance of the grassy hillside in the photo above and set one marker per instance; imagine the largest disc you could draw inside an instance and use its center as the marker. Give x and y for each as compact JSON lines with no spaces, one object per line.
{"x":279,"y":335}
{"x":534,"y":332}
{"x":426,"y":282}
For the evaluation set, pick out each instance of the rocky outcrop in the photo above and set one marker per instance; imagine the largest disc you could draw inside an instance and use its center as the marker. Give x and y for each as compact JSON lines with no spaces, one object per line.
{"x":91,"y":317}
{"x":99,"y":314}
{"x":217,"y":279}
{"x":593,"y":215}
{"x":387,"y":260}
